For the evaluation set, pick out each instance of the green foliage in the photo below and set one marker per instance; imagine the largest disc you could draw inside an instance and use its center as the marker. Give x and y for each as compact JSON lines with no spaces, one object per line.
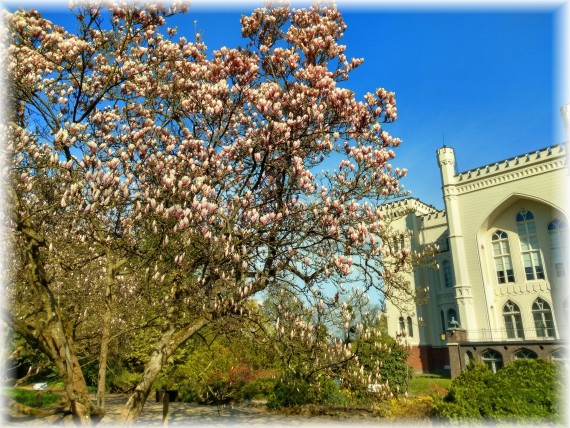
{"x":469,"y":396}
{"x":391,"y":355}
{"x":257,"y":389}
{"x":528,"y":390}
{"x":522,"y":390}
{"x":122,"y":380}
{"x":28,"y":398}
{"x":292,"y":390}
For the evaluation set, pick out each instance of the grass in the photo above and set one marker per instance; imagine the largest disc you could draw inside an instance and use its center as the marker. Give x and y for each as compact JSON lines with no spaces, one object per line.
{"x":428,"y":383}
{"x":28,"y":398}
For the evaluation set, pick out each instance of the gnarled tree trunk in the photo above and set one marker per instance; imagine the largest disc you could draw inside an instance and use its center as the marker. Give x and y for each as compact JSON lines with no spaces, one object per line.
{"x":168,"y":343}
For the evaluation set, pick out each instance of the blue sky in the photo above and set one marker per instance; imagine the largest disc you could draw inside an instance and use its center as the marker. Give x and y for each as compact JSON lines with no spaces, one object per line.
{"x":482,"y":81}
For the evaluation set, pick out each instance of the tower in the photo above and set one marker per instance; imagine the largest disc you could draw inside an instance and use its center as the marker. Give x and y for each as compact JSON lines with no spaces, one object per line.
{"x":462,"y":287}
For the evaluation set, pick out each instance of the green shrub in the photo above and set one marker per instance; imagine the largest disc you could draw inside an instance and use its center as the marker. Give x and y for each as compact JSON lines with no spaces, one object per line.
{"x":469,"y":396}
{"x":293,"y":391}
{"x":289,"y":391}
{"x":522,"y":390}
{"x":123,"y":381}
{"x":526,"y":389}
{"x":256,"y":389}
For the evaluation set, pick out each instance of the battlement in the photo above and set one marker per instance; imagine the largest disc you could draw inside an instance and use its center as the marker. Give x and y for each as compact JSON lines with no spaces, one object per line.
{"x":521,"y":161}
{"x":402,"y":206}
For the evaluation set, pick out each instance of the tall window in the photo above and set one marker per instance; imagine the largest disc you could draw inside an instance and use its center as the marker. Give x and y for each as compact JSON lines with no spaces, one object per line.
{"x":447,"y":277}
{"x":529,"y":246}
{"x":502,"y":256}
{"x":493,"y":359}
{"x":557,"y":230}
{"x":513,"y":321}
{"x":543,"y":322}
{"x":402,"y":325}
{"x":410,"y":327}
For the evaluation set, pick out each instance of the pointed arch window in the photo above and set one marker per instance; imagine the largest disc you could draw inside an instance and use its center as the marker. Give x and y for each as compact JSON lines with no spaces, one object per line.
{"x":502,"y":255}
{"x":513,"y":321}
{"x":402,"y":325}
{"x":560,"y":356}
{"x":557,"y":231}
{"x":543,"y":322}
{"x":410,"y":327}
{"x":525,"y":354}
{"x":530,"y":250}
{"x":493,"y":359}
{"x":447,"y":276}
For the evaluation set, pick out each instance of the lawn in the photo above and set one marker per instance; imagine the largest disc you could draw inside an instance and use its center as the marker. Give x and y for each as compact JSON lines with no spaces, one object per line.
{"x":28,"y":397}
{"x":428,"y":383}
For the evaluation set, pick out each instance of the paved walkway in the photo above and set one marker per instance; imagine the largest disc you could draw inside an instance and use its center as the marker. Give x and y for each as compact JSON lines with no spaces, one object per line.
{"x":193,"y":415}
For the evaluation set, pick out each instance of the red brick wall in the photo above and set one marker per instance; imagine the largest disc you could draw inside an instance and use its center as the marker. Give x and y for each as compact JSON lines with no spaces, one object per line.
{"x":427,"y":359}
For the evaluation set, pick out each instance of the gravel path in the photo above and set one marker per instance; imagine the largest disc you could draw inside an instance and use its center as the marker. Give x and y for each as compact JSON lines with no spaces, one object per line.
{"x":193,"y":415}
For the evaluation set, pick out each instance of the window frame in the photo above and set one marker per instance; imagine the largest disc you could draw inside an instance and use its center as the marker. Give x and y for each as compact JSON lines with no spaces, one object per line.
{"x":556,"y":232}
{"x":492,"y":359}
{"x":543,"y":319}
{"x":514,"y":327}
{"x":503,"y":262}
{"x":530,"y":249}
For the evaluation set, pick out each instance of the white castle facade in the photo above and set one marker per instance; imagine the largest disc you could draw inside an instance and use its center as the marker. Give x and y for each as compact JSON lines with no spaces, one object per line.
{"x":500,"y":291}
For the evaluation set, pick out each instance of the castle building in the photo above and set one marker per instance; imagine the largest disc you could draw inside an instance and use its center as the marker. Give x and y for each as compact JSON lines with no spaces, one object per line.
{"x":500,"y":289}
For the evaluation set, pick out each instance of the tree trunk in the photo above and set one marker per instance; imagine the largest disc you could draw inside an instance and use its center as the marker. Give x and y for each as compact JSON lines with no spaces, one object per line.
{"x":168,"y":343}
{"x":103,"y":353}
{"x":50,"y":334}
{"x":106,"y":332}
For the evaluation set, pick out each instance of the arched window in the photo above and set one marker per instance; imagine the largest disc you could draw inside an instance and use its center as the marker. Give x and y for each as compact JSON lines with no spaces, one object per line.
{"x":410,"y":327}
{"x":469,"y":358}
{"x":443,"y":327}
{"x":560,"y":356}
{"x":513,"y":321}
{"x":447,"y":276}
{"x":493,"y":359}
{"x":502,"y":256}
{"x":530,"y":251}
{"x":543,"y":322}
{"x":557,"y":230}
{"x":402,"y":325}
{"x":525,"y":354}
{"x":452,"y":320}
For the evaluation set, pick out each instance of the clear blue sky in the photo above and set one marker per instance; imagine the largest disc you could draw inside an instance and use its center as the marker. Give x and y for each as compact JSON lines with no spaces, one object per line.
{"x":480,"y":81}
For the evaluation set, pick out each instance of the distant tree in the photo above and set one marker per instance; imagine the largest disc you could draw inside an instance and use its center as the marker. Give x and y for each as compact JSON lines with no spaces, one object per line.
{"x":149,"y":181}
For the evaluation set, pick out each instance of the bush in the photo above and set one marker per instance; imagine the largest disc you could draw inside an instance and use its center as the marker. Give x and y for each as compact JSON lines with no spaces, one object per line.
{"x":522,"y":390}
{"x":469,"y":396}
{"x":528,"y":389}
{"x":293,"y":391}
{"x":420,"y":408}
{"x":123,"y":381}
{"x":257,"y":389}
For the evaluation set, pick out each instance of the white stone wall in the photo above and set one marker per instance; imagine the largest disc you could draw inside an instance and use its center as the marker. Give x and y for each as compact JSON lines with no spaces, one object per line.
{"x":478,"y":203}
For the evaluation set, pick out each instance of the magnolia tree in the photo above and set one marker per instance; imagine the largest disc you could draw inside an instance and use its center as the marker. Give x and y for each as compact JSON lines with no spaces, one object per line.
{"x":145,"y":172}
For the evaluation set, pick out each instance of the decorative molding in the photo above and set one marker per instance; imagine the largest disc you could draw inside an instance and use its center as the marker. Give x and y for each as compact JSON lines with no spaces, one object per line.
{"x":541,"y":161}
{"x":518,"y":289}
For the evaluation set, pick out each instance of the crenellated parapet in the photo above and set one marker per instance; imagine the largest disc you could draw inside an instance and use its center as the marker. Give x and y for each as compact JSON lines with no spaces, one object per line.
{"x":408,"y":205}
{"x":528,"y":164}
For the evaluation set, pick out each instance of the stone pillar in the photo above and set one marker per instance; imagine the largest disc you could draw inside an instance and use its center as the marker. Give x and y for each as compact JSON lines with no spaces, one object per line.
{"x":455,"y":337}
